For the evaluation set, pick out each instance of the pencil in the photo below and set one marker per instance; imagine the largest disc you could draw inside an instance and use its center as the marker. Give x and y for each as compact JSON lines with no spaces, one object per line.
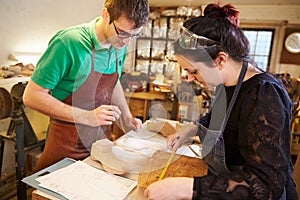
{"x":173,"y":143}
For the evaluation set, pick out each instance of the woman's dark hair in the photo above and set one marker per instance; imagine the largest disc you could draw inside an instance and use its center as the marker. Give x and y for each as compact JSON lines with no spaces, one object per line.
{"x":137,"y":11}
{"x":221,"y":24}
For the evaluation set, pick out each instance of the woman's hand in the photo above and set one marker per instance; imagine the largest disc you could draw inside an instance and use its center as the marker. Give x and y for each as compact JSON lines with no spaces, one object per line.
{"x":183,"y":135}
{"x":170,"y":189}
{"x":232,"y":184}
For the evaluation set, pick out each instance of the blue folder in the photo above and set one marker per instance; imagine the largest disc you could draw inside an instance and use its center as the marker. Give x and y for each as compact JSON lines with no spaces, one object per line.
{"x":31,"y":180}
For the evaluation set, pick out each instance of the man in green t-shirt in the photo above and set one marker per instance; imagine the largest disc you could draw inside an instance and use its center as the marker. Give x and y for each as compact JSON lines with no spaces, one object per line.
{"x":76,"y":81}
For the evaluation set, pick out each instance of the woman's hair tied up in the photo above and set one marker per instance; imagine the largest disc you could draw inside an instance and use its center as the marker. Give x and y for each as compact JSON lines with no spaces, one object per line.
{"x":227,"y":11}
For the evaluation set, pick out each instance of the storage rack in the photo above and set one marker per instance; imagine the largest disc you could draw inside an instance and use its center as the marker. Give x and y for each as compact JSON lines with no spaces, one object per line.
{"x":153,"y":53}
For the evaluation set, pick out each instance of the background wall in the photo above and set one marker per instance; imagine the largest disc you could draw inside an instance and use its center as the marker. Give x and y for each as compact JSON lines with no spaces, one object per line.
{"x":27,"y":25}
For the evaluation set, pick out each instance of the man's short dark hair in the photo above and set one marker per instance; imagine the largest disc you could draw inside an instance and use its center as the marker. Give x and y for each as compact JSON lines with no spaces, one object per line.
{"x":137,"y":11}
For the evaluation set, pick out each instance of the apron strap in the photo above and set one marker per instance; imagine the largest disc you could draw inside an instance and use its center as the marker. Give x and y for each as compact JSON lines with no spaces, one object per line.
{"x":93,"y":56}
{"x":235,"y":94}
{"x":220,"y":120}
{"x":117,"y":62}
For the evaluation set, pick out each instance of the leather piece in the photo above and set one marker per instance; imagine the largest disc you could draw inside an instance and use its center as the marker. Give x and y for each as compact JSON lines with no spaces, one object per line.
{"x":6,"y":104}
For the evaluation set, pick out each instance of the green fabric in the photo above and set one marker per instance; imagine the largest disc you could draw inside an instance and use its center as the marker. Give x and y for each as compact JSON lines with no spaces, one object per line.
{"x":66,"y":63}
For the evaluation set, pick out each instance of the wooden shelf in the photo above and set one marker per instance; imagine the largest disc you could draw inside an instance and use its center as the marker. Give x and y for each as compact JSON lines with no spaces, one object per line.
{"x":139,"y":102}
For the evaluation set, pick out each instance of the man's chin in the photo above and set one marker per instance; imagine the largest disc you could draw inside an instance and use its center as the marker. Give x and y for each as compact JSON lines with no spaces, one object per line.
{"x":119,"y":46}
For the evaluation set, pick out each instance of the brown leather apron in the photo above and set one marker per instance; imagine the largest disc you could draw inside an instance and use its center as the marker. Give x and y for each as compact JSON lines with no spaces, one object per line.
{"x":74,"y":140}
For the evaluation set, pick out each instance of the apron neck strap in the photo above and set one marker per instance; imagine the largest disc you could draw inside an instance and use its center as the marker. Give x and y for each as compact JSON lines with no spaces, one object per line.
{"x":235,"y":94}
{"x":117,"y":61}
{"x":93,"y":56}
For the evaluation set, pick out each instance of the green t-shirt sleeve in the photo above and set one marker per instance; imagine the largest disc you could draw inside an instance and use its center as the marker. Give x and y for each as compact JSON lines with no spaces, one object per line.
{"x":52,"y":66}
{"x":65,"y":65}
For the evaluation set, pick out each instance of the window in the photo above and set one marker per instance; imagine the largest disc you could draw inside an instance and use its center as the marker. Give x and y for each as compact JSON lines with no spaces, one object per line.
{"x":261,"y":41}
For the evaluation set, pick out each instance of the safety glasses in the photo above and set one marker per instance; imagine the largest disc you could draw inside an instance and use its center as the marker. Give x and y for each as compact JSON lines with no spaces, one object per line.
{"x":189,"y":40}
{"x":124,"y":34}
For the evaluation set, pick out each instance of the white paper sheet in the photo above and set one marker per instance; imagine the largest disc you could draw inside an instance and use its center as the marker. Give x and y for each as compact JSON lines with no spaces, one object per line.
{"x":81,"y":181}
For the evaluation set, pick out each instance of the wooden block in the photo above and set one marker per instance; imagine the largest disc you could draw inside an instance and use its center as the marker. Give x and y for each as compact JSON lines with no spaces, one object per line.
{"x":181,"y":166}
{"x":165,"y":128}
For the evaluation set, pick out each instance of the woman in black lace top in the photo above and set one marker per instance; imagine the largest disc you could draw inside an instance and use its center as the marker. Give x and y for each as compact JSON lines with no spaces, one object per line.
{"x":246,"y":134}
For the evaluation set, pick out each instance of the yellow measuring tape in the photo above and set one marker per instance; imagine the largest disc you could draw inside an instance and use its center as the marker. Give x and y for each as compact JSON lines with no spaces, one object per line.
{"x":166,"y":167}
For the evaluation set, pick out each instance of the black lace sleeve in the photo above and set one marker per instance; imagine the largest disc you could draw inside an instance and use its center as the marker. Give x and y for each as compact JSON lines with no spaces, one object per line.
{"x":263,"y":138}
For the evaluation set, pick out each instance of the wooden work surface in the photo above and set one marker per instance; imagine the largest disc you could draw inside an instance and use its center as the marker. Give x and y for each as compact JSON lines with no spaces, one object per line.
{"x":182,"y":166}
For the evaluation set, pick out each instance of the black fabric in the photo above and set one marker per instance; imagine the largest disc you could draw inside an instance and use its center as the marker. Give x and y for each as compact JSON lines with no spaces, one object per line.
{"x":196,"y":188}
{"x":257,"y":144}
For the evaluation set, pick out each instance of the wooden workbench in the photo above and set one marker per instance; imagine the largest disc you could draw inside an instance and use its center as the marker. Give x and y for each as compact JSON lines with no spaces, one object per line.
{"x":183,"y":166}
{"x":138,"y":192}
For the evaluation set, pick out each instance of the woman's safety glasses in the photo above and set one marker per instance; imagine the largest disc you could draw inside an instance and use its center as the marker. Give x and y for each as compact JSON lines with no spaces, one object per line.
{"x":189,"y":40}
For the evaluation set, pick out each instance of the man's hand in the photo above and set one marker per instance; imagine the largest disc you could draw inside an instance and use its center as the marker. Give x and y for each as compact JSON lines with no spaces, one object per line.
{"x":137,"y":124}
{"x":102,"y":115}
{"x":132,"y":123}
{"x":128,"y":123}
{"x":107,"y":114}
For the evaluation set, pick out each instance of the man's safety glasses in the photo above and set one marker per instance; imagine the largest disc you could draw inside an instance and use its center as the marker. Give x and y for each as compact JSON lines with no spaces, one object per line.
{"x":124,"y":34}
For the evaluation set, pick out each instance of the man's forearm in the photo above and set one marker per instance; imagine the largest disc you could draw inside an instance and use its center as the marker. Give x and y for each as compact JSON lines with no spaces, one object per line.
{"x":39,"y":99}
{"x":118,"y":99}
